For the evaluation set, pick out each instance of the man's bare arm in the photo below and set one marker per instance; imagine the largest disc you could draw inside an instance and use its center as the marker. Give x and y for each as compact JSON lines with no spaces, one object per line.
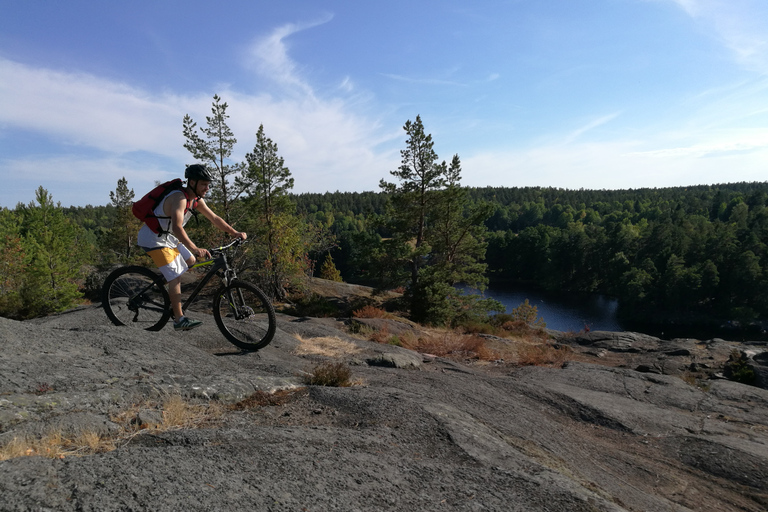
{"x":174,"y":208}
{"x":218,"y":221}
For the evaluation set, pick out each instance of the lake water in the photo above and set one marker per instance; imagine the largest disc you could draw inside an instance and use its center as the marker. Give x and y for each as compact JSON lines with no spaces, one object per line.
{"x":562,"y":312}
{"x":572,"y":312}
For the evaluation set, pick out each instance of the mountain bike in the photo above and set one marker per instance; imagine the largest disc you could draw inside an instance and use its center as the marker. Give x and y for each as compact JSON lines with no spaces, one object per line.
{"x":138,"y":297}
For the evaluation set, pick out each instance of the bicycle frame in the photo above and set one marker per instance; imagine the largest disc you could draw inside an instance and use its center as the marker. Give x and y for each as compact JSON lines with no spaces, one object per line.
{"x":220,"y":268}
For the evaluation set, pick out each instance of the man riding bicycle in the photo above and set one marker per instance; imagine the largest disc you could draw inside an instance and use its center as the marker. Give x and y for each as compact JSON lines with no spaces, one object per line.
{"x":172,"y":250}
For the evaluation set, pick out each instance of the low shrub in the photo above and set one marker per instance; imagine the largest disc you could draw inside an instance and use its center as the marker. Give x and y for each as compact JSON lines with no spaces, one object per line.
{"x":737,"y":369}
{"x":262,"y":399}
{"x":369,"y":311}
{"x":361,"y":329}
{"x":529,"y":314}
{"x":453,"y":345}
{"x":542,"y":354}
{"x":313,"y":305}
{"x":329,"y":374}
{"x":524,"y":330}
{"x":477,"y":327}
{"x":379,"y":335}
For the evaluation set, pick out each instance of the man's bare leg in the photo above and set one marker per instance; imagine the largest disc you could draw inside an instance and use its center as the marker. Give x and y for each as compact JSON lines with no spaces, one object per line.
{"x":174,"y":291}
{"x":181,"y":323}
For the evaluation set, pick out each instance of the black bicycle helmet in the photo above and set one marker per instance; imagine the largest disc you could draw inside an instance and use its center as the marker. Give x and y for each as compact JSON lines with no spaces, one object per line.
{"x":198,"y":172}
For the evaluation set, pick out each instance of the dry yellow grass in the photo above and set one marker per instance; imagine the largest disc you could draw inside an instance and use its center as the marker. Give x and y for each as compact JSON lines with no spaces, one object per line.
{"x":453,"y":345}
{"x":542,"y":354}
{"x":371,"y":312}
{"x":517,"y":344}
{"x":56,"y":445}
{"x":325,"y":346}
{"x":177,"y":413}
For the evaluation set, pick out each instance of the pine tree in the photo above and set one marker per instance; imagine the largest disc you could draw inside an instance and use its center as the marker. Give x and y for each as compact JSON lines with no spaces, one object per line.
{"x":12,"y":267}
{"x":436,"y":231}
{"x":266,"y":182}
{"x":420,"y":177}
{"x":329,"y":271}
{"x":56,"y":251}
{"x":266,"y":179}
{"x":213,"y":146}
{"x":456,"y":234}
{"x":121,"y":238}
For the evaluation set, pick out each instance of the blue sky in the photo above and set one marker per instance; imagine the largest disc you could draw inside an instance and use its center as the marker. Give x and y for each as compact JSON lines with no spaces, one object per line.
{"x":603,"y":94}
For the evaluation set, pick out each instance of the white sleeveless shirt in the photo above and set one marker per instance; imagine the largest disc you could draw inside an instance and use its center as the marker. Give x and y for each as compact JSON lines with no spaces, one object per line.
{"x":150,"y":240}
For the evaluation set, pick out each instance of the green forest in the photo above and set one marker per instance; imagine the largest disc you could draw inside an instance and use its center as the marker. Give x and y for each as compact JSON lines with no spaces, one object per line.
{"x":686,"y":254}
{"x":667,"y":254}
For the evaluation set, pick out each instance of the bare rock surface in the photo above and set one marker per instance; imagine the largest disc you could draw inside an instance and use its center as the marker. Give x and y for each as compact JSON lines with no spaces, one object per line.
{"x":414,"y":433}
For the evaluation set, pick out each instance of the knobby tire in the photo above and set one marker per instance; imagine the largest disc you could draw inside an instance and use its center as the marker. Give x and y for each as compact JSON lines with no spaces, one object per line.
{"x":244,"y":315}
{"x":136,"y":297}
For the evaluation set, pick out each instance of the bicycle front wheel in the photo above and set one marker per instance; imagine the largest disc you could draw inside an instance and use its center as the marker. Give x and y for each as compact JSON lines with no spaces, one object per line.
{"x":136,"y":297}
{"x":244,"y":315}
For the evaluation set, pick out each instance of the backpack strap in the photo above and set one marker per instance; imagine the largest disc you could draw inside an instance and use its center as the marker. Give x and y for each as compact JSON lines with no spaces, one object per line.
{"x":161,"y":231}
{"x":192,"y":208}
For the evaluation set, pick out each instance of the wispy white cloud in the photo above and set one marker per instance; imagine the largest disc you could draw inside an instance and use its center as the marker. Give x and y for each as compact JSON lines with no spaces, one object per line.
{"x":613,"y":165}
{"x":347,"y":85}
{"x":270,"y":57}
{"x":84,"y":110}
{"x":740,"y":24}
{"x":441,"y":81}
{"x":591,"y":125}
{"x":731,"y":143}
{"x":91,"y":126}
{"x":423,"y":81}
{"x":692,"y":7}
{"x":324,"y":143}
{"x":77,"y":179}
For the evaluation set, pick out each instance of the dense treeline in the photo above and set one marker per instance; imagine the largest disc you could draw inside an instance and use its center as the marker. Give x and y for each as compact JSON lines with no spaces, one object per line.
{"x":667,"y":254}
{"x":347,"y":203}
{"x":682,"y":250}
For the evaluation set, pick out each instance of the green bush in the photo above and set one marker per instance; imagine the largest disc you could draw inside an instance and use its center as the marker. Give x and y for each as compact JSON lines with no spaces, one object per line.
{"x":313,"y":305}
{"x":529,"y":314}
{"x":737,"y":369}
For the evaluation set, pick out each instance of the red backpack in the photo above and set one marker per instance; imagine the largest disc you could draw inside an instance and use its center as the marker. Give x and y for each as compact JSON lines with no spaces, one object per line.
{"x":144,"y":208}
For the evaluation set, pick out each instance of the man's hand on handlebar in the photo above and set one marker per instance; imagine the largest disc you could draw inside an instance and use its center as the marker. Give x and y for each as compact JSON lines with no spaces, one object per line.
{"x":201,"y":254}
{"x":241,"y":235}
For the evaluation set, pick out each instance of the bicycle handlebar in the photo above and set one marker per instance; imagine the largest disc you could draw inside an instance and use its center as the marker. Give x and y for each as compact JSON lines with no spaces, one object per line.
{"x":215,"y":252}
{"x":236,"y":242}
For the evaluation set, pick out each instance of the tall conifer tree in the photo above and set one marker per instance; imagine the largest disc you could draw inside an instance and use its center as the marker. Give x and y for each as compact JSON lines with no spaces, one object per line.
{"x":56,"y":250}
{"x":213,"y":146}
{"x":267,"y":182}
{"x":438,"y":232}
{"x":121,"y":238}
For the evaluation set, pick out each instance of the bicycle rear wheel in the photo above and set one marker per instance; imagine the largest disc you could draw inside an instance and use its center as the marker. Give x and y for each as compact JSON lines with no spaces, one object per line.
{"x":136,"y":297}
{"x":244,"y":315}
